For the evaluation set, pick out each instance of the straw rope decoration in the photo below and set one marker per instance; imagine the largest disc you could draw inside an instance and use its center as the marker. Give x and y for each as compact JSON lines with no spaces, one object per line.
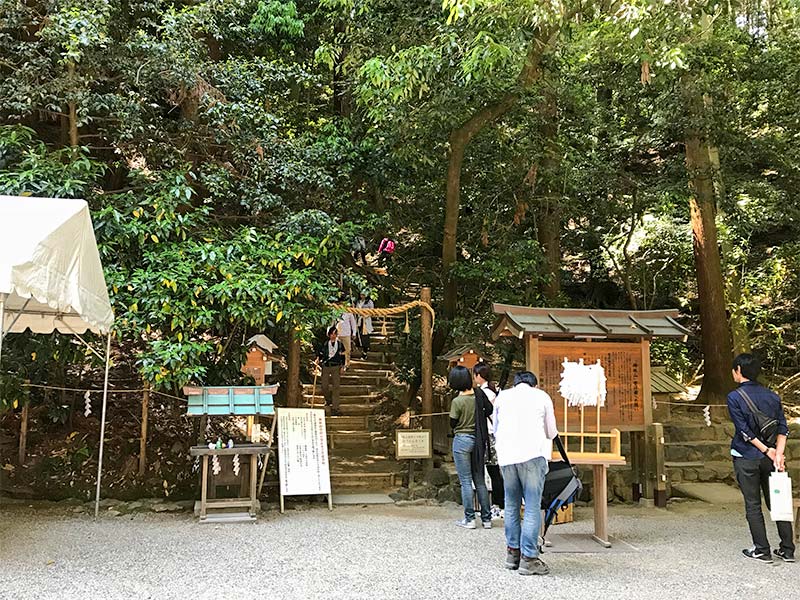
{"x":393,"y":310}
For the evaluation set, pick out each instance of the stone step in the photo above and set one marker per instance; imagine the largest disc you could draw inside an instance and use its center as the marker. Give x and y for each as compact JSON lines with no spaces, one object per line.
{"x":702,"y":450}
{"x":349,"y":410}
{"x":374,"y":382}
{"x":319,"y":399}
{"x":349,"y":423}
{"x":344,"y":390}
{"x":698,"y":432}
{"x":350,"y":440}
{"x":359,"y":481}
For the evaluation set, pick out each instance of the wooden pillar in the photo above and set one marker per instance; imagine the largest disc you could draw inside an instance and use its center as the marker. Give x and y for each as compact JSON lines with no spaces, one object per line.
{"x":143,"y":438}
{"x":532,"y":354}
{"x":656,"y":483}
{"x":23,"y":434}
{"x":647,"y":393}
{"x":426,"y":330}
{"x":293,"y":370}
{"x":427,"y":358}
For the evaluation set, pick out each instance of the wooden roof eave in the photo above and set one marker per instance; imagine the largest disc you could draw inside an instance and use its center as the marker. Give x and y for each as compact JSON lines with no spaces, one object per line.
{"x":506,"y":326}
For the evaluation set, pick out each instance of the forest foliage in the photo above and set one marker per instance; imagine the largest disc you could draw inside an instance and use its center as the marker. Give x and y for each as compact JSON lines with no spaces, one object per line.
{"x":231,"y":150}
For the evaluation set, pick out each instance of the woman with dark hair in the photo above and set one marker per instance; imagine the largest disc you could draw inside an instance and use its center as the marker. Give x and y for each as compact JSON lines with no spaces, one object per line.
{"x":483,"y":376}
{"x":466,"y":411}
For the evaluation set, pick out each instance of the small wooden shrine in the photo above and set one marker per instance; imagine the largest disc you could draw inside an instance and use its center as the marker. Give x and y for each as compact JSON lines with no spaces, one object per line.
{"x":464,"y":356}
{"x":260,"y":356}
{"x":247,"y":401}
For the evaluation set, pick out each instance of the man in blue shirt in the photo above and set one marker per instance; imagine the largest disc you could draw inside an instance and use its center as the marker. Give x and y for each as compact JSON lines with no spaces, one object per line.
{"x":753,"y":460}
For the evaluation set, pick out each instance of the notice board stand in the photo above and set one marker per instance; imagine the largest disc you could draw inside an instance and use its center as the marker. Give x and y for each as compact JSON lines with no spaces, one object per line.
{"x":303,"y":463}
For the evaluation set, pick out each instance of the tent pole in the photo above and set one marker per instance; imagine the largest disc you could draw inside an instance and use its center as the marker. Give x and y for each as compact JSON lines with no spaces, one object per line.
{"x":2,"y":324}
{"x":102,"y":428}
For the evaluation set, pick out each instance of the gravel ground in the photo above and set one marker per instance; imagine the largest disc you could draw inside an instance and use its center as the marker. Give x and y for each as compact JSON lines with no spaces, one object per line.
{"x":690,"y":550}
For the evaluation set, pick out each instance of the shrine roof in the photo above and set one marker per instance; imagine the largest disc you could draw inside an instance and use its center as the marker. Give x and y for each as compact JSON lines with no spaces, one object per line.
{"x":457,"y":353}
{"x":586,"y":323}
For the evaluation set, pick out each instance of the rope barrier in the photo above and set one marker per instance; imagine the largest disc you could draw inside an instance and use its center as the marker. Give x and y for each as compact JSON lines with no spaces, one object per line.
{"x":99,"y":390}
{"x":393,"y":310}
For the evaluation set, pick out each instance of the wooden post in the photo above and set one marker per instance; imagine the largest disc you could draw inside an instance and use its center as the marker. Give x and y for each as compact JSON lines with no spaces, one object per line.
{"x":23,"y":433}
{"x":647,"y":393}
{"x":532,"y":354}
{"x":293,"y":370}
{"x":656,"y":484}
{"x":427,"y":358}
{"x":601,"y":505}
{"x":143,"y":438}
{"x":426,"y":330}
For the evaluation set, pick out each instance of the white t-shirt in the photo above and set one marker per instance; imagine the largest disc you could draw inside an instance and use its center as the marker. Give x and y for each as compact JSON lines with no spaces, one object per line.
{"x":347,"y":325}
{"x":524,"y":425}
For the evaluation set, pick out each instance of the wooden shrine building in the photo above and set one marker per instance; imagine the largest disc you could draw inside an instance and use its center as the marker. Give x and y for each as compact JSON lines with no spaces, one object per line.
{"x":464,"y":356}
{"x":620,"y":340}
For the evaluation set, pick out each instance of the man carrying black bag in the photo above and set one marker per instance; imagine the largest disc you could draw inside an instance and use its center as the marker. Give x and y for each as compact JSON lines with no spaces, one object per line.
{"x":757,"y":446}
{"x":524,"y":424}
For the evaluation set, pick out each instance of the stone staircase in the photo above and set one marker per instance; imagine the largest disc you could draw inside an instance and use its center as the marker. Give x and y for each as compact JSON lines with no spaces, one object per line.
{"x":360,"y":455}
{"x":694,"y":452}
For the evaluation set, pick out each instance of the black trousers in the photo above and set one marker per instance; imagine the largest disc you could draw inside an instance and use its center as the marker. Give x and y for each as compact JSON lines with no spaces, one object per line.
{"x":753,"y":478}
{"x":498,"y":490}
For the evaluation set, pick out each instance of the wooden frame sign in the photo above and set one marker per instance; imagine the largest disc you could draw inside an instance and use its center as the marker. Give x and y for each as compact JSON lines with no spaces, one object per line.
{"x":413,"y":443}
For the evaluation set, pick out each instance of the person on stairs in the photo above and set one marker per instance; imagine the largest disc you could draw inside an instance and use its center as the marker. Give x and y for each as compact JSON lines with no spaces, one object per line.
{"x":331,"y":357}
{"x":386,"y":251}
{"x":754,"y":456}
{"x":348,"y":329}
{"x":483,"y":375}
{"x":364,"y":327}
{"x":467,"y":411}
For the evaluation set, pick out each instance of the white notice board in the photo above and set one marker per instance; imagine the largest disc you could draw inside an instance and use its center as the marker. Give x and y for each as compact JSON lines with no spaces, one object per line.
{"x":303,"y":453}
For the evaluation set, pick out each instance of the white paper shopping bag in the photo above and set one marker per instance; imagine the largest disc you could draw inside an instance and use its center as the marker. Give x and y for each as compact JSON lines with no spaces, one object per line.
{"x":780,"y":497}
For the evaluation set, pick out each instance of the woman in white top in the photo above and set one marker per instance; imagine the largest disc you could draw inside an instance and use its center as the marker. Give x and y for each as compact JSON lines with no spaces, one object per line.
{"x":483,"y":375}
{"x":364,"y":323}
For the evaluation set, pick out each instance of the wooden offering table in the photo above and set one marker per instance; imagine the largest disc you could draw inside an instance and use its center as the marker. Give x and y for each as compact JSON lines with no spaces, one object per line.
{"x":606,"y":455}
{"x":250,"y":503}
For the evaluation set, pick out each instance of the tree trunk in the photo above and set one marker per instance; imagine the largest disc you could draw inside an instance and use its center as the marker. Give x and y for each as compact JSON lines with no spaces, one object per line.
{"x":733,"y":275}
{"x":73,"y":110}
{"x":143,"y":436}
{"x":342,"y":100}
{"x":716,"y":337}
{"x":293,"y":371}
{"x":459,"y":140}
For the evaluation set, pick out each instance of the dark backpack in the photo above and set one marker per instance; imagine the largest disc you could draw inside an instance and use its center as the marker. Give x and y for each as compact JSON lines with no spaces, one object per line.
{"x":766,"y":425}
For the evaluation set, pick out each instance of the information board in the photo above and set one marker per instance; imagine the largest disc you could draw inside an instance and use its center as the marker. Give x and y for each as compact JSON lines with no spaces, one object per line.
{"x":303,"y":468}
{"x":413,"y":443}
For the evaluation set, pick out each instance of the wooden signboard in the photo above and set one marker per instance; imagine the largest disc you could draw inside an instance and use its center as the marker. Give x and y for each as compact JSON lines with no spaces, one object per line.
{"x":623,"y":364}
{"x":304,"y":467}
{"x":413,"y":443}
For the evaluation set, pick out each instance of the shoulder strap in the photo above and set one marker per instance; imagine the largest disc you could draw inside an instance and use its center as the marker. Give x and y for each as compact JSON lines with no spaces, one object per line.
{"x":750,"y":404}
{"x":561,"y":450}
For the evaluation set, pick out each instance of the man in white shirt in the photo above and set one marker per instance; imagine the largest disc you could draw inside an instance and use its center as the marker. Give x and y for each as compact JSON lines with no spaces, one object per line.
{"x":524,"y":425}
{"x":347,"y":328}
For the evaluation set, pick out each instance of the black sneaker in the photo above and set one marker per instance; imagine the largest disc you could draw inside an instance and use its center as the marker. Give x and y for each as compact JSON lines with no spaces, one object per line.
{"x":757,"y":555}
{"x":784,"y":556}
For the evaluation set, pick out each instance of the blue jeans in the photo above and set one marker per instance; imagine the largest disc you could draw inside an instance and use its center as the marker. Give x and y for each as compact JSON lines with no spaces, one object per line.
{"x":524,"y":480}
{"x":467,"y":474}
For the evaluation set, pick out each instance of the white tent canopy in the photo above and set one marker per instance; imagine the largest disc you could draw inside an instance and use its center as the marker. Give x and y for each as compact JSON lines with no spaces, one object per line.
{"x":51,"y":278}
{"x":49,"y":265}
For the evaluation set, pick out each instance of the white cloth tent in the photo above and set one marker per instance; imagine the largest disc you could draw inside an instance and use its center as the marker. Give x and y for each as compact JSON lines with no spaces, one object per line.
{"x":51,"y":278}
